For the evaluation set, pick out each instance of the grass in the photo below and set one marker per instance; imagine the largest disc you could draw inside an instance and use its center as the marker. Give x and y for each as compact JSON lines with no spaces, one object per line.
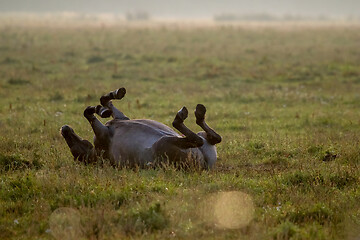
{"x":286,"y":102}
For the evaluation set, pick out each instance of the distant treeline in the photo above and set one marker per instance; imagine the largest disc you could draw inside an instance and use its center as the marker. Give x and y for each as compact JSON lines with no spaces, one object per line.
{"x":137,"y":16}
{"x":143,"y":16}
{"x":286,"y":17}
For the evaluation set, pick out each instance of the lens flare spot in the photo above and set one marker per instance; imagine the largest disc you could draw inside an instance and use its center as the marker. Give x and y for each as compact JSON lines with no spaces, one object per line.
{"x":228,"y":210}
{"x":65,"y":224}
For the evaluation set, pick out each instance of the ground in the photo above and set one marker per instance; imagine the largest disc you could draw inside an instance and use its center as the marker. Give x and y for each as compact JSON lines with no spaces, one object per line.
{"x":284,"y":98}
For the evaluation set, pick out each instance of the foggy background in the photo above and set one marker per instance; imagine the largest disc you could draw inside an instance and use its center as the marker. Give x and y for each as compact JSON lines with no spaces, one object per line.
{"x":191,"y":8}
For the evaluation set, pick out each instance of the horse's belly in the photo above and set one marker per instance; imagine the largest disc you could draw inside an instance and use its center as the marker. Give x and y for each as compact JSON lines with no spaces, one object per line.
{"x":127,"y":150}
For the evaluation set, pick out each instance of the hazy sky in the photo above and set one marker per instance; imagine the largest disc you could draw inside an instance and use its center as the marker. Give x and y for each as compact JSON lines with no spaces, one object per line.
{"x":188,"y":8}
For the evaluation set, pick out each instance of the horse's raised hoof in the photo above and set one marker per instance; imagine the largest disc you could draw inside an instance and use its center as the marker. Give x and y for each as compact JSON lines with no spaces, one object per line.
{"x":102,"y":111}
{"x":89,"y":111}
{"x":200,"y":113}
{"x":66,"y":130}
{"x":117,"y":94}
{"x":182,"y":114}
{"x":120,"y":93}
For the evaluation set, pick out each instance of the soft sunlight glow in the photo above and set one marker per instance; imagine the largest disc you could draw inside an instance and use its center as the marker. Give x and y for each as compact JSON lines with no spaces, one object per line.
{"x":229,"y":210}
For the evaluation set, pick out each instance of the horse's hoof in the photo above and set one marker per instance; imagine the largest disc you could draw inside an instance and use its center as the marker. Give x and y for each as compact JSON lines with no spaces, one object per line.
{"x":120,"y":93}
{"x":90,"y":110}
{"x":200,"y":113}
{"x":182,"y":114}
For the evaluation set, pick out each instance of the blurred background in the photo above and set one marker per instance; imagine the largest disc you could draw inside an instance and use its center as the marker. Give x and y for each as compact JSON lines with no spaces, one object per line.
{"x":225,"y":10}
{"x":280,"y":80}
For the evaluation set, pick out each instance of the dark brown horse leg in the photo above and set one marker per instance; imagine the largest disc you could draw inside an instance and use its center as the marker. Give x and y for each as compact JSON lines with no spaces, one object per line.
{"x":81,"y":149}
{"x":103,"y":111}
{"x":211,"y":136}
{"x":102,"y":133}
{"x":107,"y":103}
{"x":191,"y":139}
{"x":117,"y":94}
{"x":171,"y":148}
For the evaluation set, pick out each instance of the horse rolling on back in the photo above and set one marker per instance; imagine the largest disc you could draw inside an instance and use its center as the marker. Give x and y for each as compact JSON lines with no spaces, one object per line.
{"x":143,"y":142}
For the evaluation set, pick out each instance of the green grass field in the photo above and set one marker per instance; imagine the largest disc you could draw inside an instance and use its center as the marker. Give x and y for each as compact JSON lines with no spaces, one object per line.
{"x":286,"y":101}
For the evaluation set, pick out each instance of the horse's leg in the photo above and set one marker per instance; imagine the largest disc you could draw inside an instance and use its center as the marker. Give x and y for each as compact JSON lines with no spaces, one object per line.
{"x":103,"y":112}
{"x":170,"y":145}
{"x":211,"y":136}
{"x":117,"y":94}
{"x":116,"y":113}
{"x":191,"y":139}
{"x":81,"y":149}
{"x":107,"y":103}
{"x":102,"y":133}
{"x":174,"y":149}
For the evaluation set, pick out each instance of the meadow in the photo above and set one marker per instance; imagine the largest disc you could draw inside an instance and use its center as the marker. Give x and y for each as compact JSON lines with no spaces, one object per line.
{"x":286,"y":100}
